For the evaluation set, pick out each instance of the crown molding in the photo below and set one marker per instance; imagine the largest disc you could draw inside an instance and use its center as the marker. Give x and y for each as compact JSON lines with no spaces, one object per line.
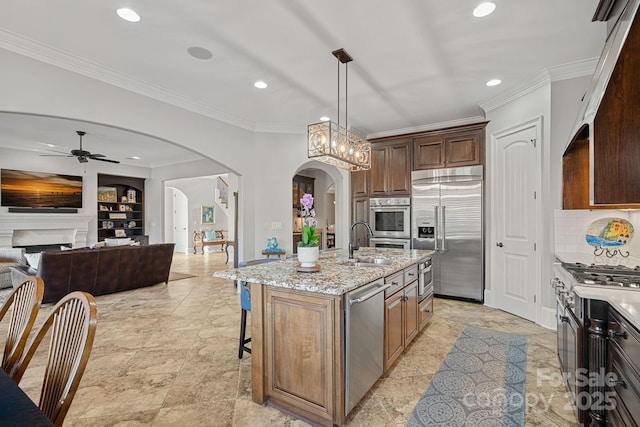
{"x":262,"y":127}
{"x":424,"y":128}
{"x":543,"y":78}
{"x":52,"y":56}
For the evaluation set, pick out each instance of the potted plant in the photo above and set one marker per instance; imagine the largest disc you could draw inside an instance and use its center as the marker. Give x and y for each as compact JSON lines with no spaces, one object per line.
{"x":308,"y":247}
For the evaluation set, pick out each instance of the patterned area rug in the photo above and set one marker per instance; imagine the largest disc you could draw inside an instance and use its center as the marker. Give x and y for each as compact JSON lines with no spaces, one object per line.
{"x":481,"y":382}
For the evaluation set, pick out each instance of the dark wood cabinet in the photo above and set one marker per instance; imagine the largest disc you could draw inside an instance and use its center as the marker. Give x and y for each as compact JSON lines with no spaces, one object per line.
{"x":401,"y":316}
{"x":360,"y":212}
{"x":359,"y":184}
{"x":449,"y":148}
{"x":300,"y":186}
{"x":600,"y":167}
{"x":623,"y":367}
{"x":121,"y":208}
{"x":390,"y":173}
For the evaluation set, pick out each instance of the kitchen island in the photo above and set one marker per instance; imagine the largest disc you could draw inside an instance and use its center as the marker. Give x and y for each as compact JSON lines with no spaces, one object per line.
{"x":298,"y":325}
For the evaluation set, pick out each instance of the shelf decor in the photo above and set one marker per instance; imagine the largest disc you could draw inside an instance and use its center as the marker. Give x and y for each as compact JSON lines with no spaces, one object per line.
{"x":131,"y":195}
{"x":207,"y":215}
{"x":107,"y":194}
{"x":606,"y":233}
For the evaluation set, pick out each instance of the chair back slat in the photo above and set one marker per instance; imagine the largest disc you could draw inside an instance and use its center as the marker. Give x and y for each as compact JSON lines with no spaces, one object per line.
{"x":25,"y":299}
{"x":72,"y":325}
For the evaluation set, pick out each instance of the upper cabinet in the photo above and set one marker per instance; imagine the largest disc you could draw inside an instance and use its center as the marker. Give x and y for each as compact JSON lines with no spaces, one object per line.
{"x":390,"y":173}
{"x":605,"y":142}
{"x":462,"y":146}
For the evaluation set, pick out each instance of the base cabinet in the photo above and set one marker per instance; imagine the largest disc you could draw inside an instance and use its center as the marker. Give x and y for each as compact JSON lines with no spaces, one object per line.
{"x":299,"y":353}
{"x":425,"y":311}
{"x":402,"y":320}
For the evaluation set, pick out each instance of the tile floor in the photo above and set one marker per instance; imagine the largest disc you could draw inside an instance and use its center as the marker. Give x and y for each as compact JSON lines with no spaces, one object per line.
{"x":166,"y":355}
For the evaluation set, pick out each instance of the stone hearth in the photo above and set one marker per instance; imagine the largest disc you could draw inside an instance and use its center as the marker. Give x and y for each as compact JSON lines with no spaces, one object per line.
{"x":43,"y":229}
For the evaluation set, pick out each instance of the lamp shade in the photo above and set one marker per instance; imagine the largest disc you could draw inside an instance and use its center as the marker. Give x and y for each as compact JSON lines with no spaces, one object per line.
{"x":330,"y":143}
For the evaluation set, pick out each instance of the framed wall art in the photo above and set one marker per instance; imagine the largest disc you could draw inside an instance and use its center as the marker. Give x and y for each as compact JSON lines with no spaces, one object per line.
{"x":107,"y":194}
{"x":207,"y":215}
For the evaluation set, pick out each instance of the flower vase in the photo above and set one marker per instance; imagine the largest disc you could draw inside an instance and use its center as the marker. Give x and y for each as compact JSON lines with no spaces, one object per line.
{"x":308,"y":256}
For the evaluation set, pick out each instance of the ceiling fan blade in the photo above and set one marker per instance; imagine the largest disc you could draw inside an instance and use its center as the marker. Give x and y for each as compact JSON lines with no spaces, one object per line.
{"x":106,"y":160}
{"x":56,"y":151}
{"x":56,"y":155}
{"x":92,"y":156}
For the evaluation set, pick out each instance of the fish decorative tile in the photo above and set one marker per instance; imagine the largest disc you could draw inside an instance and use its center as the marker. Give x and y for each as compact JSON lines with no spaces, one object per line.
{"x":610,"y":236}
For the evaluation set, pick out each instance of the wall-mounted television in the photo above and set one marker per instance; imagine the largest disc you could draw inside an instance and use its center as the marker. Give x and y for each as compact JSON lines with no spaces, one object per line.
{"x":24,"y":189}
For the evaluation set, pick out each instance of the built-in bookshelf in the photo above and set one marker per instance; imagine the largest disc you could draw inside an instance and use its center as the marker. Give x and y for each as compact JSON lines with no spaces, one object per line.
{"x":121,"y":207}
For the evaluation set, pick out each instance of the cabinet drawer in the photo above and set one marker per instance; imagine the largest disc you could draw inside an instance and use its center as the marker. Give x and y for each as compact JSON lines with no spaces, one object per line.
{"x":396,"y":280}
{"x":425,"y":311}
{"x":625,"y":337}
{"x":627,"y":393}
{"x":410,"y":274}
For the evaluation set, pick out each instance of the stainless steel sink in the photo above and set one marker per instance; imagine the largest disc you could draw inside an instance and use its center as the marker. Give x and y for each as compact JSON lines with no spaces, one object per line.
{"x":368,"y":262}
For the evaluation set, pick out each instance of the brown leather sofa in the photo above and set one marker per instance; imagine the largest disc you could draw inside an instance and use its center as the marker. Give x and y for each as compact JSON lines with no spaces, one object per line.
{"x":99,"y":271}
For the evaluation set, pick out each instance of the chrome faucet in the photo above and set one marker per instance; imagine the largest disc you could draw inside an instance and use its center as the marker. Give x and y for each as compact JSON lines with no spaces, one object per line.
{"x":353,"y":226}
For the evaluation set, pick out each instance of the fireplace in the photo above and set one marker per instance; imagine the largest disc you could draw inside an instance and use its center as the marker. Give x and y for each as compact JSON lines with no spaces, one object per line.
{"x":38,"y":229}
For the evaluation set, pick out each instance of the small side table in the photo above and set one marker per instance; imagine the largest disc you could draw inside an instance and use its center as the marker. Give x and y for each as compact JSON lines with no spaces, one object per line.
{"x":281,"y":254}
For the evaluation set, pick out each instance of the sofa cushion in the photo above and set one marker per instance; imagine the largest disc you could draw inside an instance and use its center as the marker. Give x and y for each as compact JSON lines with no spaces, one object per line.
{"x":209,"y":235}
{"x":118,"y":242}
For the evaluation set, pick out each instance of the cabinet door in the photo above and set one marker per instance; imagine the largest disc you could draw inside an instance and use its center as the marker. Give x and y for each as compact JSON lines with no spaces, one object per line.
{"x":393,"y":325}
{"x":428,"y":152}
{"x":360,"y":184}
{"x":360,"y":213}
{"x":399,"y":169}
{"x":378,"y":173}
{"x":411,"y":320}
{"x":462,"y":149}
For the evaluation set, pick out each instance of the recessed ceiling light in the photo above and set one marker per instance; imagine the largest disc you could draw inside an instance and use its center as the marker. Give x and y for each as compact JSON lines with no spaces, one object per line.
{"x":494,"y":82}
{"x":128,"y":14}
{"x":324,"y":119}
{"x":46,"y":144}
{"x":134,"y":158}
{"x":260,"y":84}
{"x":484,"y":9}
{"x":199,"y":52}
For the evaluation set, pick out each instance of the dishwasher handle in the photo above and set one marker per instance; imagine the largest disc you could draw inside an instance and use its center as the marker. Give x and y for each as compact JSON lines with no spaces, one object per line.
{"x":369,"y":295}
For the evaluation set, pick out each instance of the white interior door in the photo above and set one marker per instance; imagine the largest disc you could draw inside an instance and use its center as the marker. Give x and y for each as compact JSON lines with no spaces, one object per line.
{"x":516,"y":269}
{"x":180,"y":221}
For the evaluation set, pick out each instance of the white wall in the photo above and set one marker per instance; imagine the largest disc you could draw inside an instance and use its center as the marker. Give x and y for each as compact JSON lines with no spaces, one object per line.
{"x":200,"y":191}
{"x":29,"y":86}
{"x":558,"y":104}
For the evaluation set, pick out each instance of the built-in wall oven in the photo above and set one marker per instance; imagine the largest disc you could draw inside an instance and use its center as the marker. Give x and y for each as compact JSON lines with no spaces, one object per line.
{"x":380,"y":242}
{"x":390,"y":220}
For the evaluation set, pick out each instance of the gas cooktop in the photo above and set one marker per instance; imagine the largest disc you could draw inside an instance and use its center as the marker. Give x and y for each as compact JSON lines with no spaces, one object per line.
{"x":620,"y":276}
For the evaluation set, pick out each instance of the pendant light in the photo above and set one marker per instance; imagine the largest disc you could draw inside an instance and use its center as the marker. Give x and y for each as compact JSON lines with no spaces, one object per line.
{"x":330,"y":143}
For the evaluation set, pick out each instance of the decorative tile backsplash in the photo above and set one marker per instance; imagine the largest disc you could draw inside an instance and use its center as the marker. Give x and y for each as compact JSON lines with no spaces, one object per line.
{"x":570,"y":227}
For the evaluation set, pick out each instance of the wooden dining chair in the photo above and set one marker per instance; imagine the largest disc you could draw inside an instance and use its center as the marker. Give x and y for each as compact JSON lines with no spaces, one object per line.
{"x":73,"y":326}
{"x":25,"y":299}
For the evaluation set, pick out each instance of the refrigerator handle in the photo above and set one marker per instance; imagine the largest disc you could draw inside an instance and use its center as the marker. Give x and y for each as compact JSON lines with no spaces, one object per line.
{"x":444,"y":230}
{"x":435,"y":230}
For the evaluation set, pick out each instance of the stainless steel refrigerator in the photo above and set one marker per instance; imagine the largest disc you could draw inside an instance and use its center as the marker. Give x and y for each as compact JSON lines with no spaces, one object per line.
{"x":447,"y":216}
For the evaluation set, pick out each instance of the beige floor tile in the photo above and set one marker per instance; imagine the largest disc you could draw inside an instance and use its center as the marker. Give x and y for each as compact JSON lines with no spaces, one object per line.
{"x":167,"y":355}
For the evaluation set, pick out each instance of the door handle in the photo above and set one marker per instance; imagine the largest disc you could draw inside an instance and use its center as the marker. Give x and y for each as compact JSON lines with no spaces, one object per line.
{"x":444,"y":229}
{"x":499,"y":244}
{"x":435,"y":229}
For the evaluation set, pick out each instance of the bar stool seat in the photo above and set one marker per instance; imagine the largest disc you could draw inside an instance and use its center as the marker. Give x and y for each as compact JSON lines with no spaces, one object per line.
{"x":245,"y":306}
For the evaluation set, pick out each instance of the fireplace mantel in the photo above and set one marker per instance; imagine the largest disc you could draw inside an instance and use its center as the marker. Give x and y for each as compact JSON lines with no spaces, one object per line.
{"x":41,"y":229}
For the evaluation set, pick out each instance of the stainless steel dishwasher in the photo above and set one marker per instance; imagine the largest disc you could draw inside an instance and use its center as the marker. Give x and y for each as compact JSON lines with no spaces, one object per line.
{"x":364,"y":340}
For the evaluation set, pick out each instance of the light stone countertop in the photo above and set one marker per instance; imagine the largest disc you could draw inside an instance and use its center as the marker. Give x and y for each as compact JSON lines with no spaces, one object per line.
{"x":336,"y":277}
{"x":626,"y":302}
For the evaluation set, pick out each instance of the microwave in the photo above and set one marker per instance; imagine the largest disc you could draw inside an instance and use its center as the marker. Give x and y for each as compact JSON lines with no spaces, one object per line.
{"x":390,"y":217}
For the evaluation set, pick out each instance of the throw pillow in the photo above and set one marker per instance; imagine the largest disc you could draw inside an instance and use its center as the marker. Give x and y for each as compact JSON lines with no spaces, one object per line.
{"x":209,"y":235}
{"x":33,"y":259}
{"x":117,"y":242}
{"x":65,"y":248}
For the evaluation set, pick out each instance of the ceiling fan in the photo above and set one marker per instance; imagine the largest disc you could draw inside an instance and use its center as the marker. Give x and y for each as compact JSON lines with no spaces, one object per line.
{"x":82,"y":155}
